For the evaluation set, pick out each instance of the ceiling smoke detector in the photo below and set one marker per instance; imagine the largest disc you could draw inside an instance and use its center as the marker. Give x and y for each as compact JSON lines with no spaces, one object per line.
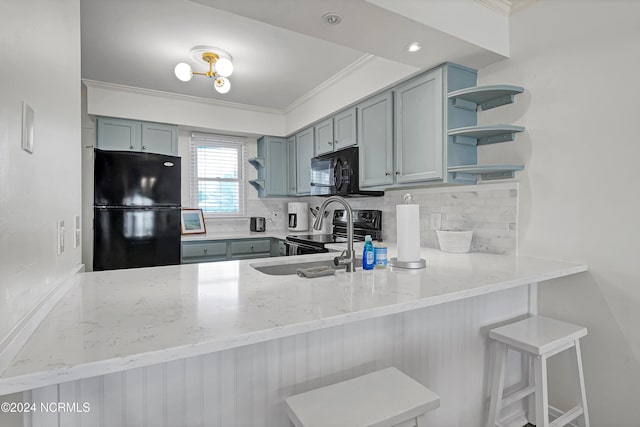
{"x":332,"y":18}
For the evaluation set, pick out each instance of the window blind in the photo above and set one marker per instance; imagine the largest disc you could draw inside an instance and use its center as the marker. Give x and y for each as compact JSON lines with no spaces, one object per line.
{"x":217,"y":171}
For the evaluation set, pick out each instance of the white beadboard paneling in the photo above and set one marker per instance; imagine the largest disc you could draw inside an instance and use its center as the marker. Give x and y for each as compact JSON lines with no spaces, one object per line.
{"x":444,"y":347}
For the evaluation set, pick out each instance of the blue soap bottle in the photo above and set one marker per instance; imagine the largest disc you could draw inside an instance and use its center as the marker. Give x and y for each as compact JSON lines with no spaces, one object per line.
{"x":368,"y":255}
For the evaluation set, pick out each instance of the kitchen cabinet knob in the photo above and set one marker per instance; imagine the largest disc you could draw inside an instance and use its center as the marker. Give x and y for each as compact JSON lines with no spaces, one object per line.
{"x":205,"y":250}
{"x":251,"y":247}
{"x":397,"y":173}
{"x":387,"y":173}
{"x":131,"y":147}
{"x":330,"y":142}
{"x":144,"y":147}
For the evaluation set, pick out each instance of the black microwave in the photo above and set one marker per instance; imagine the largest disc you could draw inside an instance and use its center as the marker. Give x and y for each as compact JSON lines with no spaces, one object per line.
{"x":337,"y":173}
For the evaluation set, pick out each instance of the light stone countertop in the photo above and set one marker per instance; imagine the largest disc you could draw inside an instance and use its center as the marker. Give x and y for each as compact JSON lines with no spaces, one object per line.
{"x":122,"y":319}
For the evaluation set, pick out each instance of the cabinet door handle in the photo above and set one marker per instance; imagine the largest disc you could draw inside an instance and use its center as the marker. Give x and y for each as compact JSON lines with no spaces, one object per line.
{"x":205,"y":250}
{"x":330,"y":142}
{"x":144,"y":147}
{"x":131,"y":147}
{"x":397,"y":173}
{"x":387,"y":173}
{"x":252,"y":248}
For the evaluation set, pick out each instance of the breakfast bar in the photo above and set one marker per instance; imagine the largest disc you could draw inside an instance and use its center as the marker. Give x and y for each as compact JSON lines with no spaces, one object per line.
{"x":127,"y":341}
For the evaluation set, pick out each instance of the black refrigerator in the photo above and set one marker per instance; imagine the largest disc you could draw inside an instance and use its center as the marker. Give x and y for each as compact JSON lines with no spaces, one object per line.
{"x":136,"y":208}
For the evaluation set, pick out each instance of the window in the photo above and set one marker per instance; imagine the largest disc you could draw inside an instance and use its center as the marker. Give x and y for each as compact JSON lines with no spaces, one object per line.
{"x":217,"y":170}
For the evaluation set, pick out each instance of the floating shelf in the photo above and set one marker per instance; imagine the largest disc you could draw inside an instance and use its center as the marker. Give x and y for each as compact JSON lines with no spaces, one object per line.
{"x":258,"y":184}
{"x":257,"y":162}
{"x":487,"y":172}
{"x":480,"y":135}
{"x":485,"y":97}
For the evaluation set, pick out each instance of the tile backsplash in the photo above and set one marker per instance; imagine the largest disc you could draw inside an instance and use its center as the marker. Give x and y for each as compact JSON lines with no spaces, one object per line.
{"x":490,"y":210}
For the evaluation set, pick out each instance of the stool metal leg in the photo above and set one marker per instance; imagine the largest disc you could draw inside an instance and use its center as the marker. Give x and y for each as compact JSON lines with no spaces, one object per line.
{"x":497,"y":383}
{"x":581,"y":395}
{"x":542,"y":399}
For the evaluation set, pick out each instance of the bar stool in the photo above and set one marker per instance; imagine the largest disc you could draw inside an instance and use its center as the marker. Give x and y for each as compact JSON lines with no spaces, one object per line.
{"x":382,"y":398}
{"x":539,"y":338}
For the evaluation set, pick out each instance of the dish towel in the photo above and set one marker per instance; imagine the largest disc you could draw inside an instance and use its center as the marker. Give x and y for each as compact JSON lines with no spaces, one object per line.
{"x":315,"y":271}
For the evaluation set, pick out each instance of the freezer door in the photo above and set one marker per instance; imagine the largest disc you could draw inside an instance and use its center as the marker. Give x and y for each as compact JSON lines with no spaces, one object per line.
{"x":129,"y":238}
{"x":123,"y":178}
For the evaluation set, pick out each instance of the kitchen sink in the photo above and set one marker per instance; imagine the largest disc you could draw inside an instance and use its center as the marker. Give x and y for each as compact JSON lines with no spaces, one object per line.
{"x":291,"y":267}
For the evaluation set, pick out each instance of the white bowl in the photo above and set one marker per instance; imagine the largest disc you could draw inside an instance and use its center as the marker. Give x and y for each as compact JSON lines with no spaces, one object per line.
{"x":457,"y":242}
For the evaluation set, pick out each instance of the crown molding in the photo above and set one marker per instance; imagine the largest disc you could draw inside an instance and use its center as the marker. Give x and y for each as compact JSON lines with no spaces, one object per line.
{"x":506,"y":7}
{"x":330,"y":81}
{"x":503,"y":7}
{"x":180,"y":97}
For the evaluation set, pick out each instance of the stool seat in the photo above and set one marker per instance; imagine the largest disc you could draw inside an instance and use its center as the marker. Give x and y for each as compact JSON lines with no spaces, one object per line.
{"x":382,"y":398}
{"x":538,"y":335}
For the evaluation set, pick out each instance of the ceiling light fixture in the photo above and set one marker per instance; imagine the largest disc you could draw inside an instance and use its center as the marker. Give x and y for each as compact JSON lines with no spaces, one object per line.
{"x":414,"y":47}
{"x":220,"y":67}
{"x":332,"y":18}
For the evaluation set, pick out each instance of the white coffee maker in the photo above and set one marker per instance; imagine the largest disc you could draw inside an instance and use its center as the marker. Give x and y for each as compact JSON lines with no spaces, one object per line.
{"x":298,"y":216}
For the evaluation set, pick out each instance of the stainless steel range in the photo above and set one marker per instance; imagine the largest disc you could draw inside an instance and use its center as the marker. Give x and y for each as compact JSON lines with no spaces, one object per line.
{"x":364,"y":222}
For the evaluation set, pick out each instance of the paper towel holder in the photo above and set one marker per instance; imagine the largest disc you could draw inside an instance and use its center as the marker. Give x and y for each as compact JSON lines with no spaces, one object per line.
{"x":421,"y":263}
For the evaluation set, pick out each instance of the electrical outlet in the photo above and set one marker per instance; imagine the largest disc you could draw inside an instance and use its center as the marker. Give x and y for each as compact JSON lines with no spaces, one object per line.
{"x":60,"y":237}
{"x":436,"y":221}
{"x":77,"y":228}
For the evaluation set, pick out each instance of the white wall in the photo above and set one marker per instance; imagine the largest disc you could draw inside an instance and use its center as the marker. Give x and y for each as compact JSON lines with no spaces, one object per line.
{"x":367,"y":76}
{"x":579,"y":193}
{"x":40,"y":59}
{"x":141,"y":104}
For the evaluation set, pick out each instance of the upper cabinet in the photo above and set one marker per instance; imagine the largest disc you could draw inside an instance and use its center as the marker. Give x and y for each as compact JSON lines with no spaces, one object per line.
{"x":302,"y":161}
{"x":336,"y":133}
{"x":273,"y":167}
{"x":292,"y":169}
{"x":375,"y":138}
{"x":419,"y":128}
{"x":131,"y":135}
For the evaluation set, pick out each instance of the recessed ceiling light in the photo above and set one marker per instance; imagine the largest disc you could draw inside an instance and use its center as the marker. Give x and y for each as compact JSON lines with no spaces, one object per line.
{"x":414,"y":47}
{"x":332,"y":18}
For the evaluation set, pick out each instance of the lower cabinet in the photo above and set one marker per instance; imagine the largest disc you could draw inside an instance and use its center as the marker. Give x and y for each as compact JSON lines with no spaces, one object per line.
{"x":223,"y":250}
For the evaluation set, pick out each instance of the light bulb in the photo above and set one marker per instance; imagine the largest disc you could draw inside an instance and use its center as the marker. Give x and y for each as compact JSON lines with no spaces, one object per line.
{"x":222,"y":84}
{"x":224,"y":67}
{"x":183,"y":72}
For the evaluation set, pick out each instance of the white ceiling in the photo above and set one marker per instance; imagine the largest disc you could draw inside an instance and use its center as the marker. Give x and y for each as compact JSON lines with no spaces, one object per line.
{"x":281,"y":48}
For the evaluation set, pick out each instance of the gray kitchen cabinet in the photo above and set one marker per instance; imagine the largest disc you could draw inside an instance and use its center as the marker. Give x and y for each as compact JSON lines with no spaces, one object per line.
{"x":245,"y":249}
{"x":203,"y":251}
{"x":419,"y":147}
{"x":118,"y":134}
{"x":159,"y":138}
{"x":336,"y":133}
{"x":131,"y":135}
{"x":375,"y":139}
{"x":272,"y":166}
{"x":292,"y":170}
{"x":194,"y":251}
{"x":304,"y":154}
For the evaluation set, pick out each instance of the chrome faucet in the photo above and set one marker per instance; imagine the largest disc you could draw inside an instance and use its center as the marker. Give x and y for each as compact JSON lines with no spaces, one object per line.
{"x":348,"y":257}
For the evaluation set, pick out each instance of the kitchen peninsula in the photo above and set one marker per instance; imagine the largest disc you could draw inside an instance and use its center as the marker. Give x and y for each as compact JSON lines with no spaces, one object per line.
{"x":242,"y":341}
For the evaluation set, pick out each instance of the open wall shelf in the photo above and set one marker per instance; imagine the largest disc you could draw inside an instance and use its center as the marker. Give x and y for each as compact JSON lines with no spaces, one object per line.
{"x":258,"y":184}
{"x":487,"y":172}
{"x":480,"y":135}
{"x":485,"y":97}
{"x":257,"y":162}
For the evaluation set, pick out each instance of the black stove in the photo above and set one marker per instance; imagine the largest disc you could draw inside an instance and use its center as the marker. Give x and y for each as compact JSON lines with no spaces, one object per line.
{"x":365,"y":222}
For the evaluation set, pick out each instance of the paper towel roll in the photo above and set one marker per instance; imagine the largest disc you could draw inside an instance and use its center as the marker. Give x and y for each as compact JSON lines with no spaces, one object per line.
{"x":408,"y":218}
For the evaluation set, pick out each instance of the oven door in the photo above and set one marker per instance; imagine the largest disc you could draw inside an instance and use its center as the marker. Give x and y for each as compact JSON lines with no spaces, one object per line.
{"x":295,"y":248}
